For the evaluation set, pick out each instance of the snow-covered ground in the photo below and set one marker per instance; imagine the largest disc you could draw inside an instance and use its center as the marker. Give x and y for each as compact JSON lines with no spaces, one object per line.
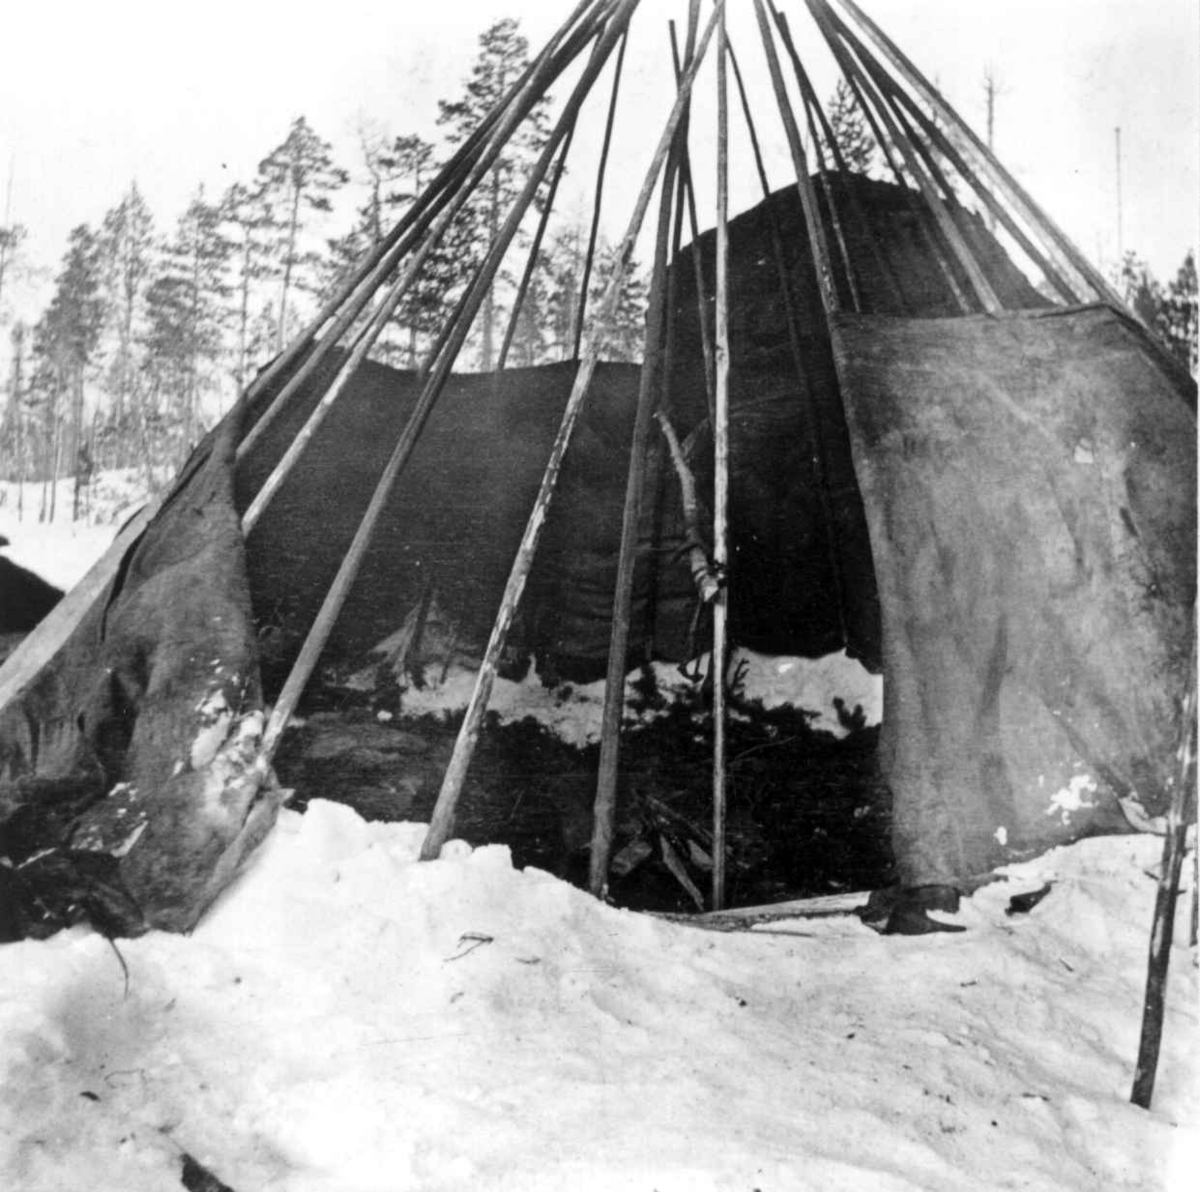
{"x":62,"y":550}
{"x":348,"y":1019}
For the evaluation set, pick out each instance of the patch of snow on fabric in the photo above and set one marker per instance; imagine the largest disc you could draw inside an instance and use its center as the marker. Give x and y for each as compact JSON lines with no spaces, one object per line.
{"x":1071,"y":798}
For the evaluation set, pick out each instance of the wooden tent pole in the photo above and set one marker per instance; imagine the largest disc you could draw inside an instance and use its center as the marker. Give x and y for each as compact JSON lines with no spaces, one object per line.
{"x":810,"y":94}
{"x":534,"y":250}
{"x":442,"y":820}
{"x":816,"y":445}
{"x":597,"y":203}
{"x":721,"y":478}
{"x":449,"y":346}
{"x":1068,"y":256}
{"x":808,"y":99}
{"x":604,"y":810}
{"x":353,"y":294}
{"x":685,"y":178}
{"x":503,"y":130}
{"x":982,"y":288}
{"x":920,"y":215}
{"x":330,"y":608}
{"x":808,"y":200}
{"x":902,"y":100}
{"x":1163,"y":925}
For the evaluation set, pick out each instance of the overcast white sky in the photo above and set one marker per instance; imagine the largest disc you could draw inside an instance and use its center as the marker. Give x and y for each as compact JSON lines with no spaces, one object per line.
{"x":94,"y":95}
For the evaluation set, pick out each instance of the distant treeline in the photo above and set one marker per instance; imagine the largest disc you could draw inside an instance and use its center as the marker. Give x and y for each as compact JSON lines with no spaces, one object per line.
{"x":149,"y":335}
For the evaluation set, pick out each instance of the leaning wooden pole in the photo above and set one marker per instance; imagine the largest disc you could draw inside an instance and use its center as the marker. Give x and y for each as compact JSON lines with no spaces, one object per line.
{"x":330,"y":609}
{"x":598,"y":199}
{"x":685,"y":181}
{"x":1066,"y":256}
{"x":531,"y":260}
{"x":808,"y":201}
{"x":721,"y":478}
{"x":442,"y":821}
{"x":1163,"y":924}
{"x":353,"y":295}
{"x":520,"y":107}
{"x":604,"y":809}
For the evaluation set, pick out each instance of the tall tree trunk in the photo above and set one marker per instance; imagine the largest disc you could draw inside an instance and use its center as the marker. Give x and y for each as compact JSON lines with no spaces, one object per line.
{"x":244,"y":317}
{"x":293,"y":225}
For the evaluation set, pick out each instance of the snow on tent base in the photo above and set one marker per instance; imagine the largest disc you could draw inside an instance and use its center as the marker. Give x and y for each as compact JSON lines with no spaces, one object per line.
{"x":346,"y":1018}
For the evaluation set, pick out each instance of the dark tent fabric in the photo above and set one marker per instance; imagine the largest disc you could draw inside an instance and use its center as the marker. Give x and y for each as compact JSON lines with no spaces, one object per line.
{"x":1028,"y":483}
{"x":800,"y":536}
{"x":129,"y":784}
{"x":1030,"y":487}
{"x":456,"y":516}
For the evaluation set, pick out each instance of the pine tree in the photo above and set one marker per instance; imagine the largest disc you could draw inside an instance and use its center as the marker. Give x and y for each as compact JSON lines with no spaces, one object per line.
{"x":626,"y":338}
{"x":1171,"y":312}
{"x":66,"y":339}
{"x":184,"y":318}
{"x":11,"y":237}
{"x":393,"y":172}
{"x":16,"y":461}
{"x":850,"y":129}
{"x":298,"y":179}
{"x":1178,"y":321}
{"x":503,"y":55}
{"x":126,"y":245}
{"x":564,"y":270}
{"x":246,"y":226}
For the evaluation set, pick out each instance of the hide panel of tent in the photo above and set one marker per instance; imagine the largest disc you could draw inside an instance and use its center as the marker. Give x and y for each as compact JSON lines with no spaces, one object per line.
{"x":804,"y":537}
{"x":1029,"y":483}
{"x":129,"y":783}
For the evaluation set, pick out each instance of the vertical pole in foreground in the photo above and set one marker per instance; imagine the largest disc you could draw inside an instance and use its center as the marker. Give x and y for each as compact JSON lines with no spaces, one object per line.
{"x":721,"y":476}
{"x":1163,"y":925}
{"x":649,"y":389}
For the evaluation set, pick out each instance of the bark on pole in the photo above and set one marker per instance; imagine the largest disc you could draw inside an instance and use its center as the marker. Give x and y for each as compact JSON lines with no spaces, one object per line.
{"x":442,"y":821}
{"x":1163,"y":924}
{"x":721,"y":477}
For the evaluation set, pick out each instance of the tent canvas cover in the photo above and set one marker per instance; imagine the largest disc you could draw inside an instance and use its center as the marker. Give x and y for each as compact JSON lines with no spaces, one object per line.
{"x":998,"y":510}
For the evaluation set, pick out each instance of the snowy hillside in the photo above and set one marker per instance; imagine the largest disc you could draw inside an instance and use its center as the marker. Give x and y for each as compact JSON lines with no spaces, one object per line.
{"x":347,"y":1019}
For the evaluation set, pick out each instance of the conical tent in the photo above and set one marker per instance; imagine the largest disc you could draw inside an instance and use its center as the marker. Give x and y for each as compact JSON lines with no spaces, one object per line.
{"x":926,"y":428}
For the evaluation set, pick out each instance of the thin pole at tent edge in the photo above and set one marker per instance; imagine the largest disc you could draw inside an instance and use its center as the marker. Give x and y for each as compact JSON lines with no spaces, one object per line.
{"x":534,"y":249}
{"x":442,"y":820}
{"x":1163,"y":923}
{"x":721,"y":477}
{"x":685,"y":178}
{"x":601,"y":170}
